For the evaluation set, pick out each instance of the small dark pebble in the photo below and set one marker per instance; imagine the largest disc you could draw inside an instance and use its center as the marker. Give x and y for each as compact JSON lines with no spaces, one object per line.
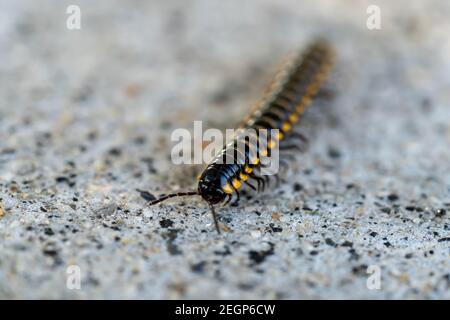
{"x":92,"y":135}
{"x":62,"y":179}
{"x":440,"y":213}
{"x":246,"y":286}
{"x":373,"y":234}
{"x":170,"y":237}
{"x":8,"y":151}
{"x":166,"y":223}
{"x":353,"y":254}
{"x":347,"y":244}
{"x":140,"y":140}
{"x":150,"y":165}
{"x":221,"y":97}
{"x":147,"y":196}
{"x":50,"y":252}
{"x":447,"y":278}
{"x":392,"y":197}
{"x":226,"y":251}
{"x":360,"y":270}
{"x":93,"y":281}
{"x":330,"y":242}
{"x":49,"y":231}
{"x":334,"y":153}
{"x":298,"y":187}
{"x":275,"y":229}
{"x":198,"y":267}
{"x":386,"y":210}
{"x":71,"y":163}
{"x":258,"y":257}
{"x":444,"y":239}
{"x":116,"y":152}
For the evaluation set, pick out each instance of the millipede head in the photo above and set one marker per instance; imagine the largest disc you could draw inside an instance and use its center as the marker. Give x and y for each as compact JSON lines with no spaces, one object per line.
{"x":210,"y":190}
{"x":213,"y":195}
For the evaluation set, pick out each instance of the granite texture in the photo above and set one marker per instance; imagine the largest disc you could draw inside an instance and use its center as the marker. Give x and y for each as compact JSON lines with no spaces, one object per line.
{"x":86,"y":118}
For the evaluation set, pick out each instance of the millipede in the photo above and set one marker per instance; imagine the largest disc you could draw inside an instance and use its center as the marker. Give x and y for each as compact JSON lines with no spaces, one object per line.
{"x":282,"y":105}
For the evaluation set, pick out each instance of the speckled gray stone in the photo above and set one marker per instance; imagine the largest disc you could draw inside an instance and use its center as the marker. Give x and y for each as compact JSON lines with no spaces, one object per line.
{"x":86,"y":118}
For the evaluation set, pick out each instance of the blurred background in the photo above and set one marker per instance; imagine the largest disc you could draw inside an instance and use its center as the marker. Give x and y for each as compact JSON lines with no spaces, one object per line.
{"x":86,"y":117}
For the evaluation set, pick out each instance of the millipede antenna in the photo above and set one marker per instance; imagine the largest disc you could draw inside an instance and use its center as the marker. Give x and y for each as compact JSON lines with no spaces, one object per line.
{"x":172,"y":195}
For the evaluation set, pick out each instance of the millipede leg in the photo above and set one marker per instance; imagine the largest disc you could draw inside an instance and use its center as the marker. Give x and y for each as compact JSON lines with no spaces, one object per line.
{"x":259,"y":180}
{"x":250,"y":185}
{"x":277,"y":180}
{"x":216,"y":223}
{"x":284,"y":165}
{"x":229,"y":197}
{"x":326,"y":93}
{"x":237,"y":195}
{"x":289,"y":156}
{"x":298,"y":135}
{"x":266,"y":177}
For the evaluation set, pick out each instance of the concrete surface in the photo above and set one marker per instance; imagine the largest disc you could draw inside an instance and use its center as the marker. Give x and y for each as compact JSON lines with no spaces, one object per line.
{"x":86,"y":118}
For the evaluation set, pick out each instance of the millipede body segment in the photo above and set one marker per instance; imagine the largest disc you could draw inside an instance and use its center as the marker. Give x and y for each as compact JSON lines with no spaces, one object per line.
{"x":280,"y":109}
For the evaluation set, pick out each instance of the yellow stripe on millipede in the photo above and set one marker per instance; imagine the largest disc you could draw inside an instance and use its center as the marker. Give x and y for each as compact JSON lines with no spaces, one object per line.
{"x":243,"y":177}
{"x":293,"y":118}
{"x":236,"y":183}
{"x":280,"y":135}
{"x":286,"y":126}
{"x":227,"y":189}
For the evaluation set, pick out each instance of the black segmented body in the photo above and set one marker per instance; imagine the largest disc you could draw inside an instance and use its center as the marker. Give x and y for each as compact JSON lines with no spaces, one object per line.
{"x":282,"y":105}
